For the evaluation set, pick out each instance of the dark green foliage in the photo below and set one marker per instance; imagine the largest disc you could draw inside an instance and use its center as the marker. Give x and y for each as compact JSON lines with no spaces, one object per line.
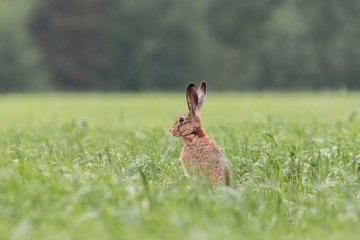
{"x":71,"y":36}
{"x":120,"y":45}
{"x":165,"y":44}
{"x":20,"y":62}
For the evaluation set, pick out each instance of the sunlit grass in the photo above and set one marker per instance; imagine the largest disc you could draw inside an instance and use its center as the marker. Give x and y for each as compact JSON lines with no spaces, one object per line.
{"x":159,"y":109}
{"x":104,"y":167}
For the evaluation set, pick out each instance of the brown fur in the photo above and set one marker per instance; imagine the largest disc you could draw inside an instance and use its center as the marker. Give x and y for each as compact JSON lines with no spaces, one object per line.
{"x":200,"y":154}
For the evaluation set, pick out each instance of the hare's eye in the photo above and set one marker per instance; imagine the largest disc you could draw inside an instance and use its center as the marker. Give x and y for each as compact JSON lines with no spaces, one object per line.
{"x":181,"y":119}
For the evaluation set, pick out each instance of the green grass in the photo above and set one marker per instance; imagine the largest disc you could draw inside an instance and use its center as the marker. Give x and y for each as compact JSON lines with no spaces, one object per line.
{"x":104,"y":167}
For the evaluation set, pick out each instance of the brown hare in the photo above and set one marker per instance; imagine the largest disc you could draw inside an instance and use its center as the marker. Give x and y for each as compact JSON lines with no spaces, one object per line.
{"x":200,"y":155}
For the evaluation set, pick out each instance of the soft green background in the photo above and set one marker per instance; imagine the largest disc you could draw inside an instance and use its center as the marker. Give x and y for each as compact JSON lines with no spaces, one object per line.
{"x":142,"y":45}
{"x":151,"y":109}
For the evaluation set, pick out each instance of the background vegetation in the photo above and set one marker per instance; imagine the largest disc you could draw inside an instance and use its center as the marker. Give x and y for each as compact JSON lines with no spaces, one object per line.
{"x":164,"y":44}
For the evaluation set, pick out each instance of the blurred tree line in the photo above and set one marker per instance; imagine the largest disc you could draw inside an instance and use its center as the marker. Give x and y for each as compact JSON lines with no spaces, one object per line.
{"x":164,"y":44}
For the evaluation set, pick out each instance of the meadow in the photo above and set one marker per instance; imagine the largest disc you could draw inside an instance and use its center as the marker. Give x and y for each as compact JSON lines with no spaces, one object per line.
{"x":104,"y":166}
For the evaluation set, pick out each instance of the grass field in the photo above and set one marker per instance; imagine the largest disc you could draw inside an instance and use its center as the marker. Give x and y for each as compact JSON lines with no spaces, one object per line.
{"x":99,"y":166}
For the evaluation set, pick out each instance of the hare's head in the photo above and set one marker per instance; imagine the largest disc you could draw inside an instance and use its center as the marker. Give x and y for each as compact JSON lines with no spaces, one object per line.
{"x":190,"y":123}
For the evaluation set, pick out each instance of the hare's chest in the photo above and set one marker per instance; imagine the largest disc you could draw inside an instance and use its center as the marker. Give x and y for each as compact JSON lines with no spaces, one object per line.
{"x":196,"y":158}
{"x":192,"y":161}
{"x":190,"y":155}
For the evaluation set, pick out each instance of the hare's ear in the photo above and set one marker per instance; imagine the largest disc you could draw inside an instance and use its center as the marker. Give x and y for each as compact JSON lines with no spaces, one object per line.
{"x":192,"y":98}
{"x":201,"y":92}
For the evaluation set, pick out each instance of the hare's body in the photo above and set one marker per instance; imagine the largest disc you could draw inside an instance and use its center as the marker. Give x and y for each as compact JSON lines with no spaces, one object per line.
{"x":200,"y":154}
